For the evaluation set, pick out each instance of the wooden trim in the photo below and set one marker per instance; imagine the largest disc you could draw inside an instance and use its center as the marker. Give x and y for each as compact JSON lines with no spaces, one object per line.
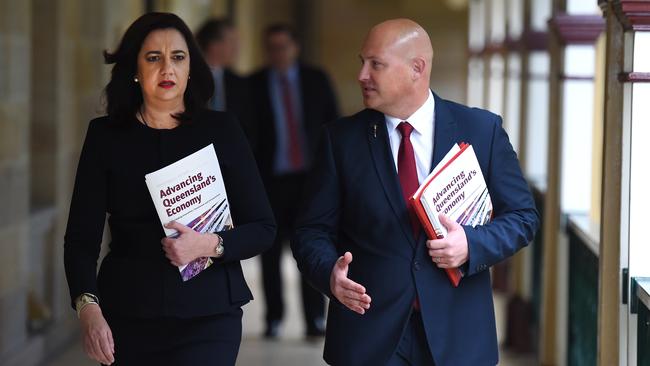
{"x":609,"y":271}
{"x":488,"y":50}
{"x":535,"y":76}
{"x":576,"y":29}
{"x":633,"y":14}
{"x":493,"y":48}
{"x":586,"y":230}
{"x":634,"y":77}
{"x":529,"y":41}
{"x":535,"y":40}
{"x":512,"y":44}
{"x":548,"y":351}
{"x":565,"y":77}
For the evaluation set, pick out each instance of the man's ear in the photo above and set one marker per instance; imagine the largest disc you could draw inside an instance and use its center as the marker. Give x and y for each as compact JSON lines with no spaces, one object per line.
{"x":418,"y":66}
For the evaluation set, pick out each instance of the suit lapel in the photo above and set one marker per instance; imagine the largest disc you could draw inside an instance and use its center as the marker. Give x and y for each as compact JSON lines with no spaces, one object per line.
{"x":385,"y":166}
{"x":444,"y":137}
{"x":445,"y":133}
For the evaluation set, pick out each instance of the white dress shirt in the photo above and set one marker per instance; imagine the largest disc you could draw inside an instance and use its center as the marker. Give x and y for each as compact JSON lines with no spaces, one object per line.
{"x":218,"y":100}
{"x":423,"y":121}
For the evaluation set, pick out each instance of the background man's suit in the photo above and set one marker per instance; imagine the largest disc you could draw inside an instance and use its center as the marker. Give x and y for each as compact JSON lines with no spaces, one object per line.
{"x":237,"y":98}
{"x":318,"y":106}
{"x":353,"y":202}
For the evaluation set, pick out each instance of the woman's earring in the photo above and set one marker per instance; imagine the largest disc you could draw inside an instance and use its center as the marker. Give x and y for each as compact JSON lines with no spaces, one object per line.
{"x":135,"y":79}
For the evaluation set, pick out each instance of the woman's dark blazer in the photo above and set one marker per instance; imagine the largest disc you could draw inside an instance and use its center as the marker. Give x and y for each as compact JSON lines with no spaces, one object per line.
{"x":135,"y":278}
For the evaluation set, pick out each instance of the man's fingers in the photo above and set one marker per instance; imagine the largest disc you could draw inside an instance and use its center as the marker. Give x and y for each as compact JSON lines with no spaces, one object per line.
{"x":348,"y":284}
{"x":437,"y":259}
{"x":345,"y":260}
{"x":448,"y":223}
{"x":354,"y":307}
{"x":447,"y":263}
{"x":438,"y":253}
{"x":364,"y":302}
{"x":353,"y":295}
{"x":437,"y":244}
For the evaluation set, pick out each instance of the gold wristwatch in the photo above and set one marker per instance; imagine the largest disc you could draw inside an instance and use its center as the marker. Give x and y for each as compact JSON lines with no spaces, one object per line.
{"x":218,"y":250}
{"x":83,"y":300}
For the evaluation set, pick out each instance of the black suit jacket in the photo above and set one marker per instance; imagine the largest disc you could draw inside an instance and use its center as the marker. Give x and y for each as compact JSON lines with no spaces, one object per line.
{"x":318,"y":105}
{"x":353,"y":202}
{"x":136,"y":279}
{"x":238,"y":98}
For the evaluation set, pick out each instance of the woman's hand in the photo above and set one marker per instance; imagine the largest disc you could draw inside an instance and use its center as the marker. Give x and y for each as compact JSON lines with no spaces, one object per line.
{"x":97,"y":337}
{"x":188,"y":245}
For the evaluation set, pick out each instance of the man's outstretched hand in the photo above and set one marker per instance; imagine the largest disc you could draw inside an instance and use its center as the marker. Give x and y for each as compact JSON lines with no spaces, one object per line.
{"x":346,"y":291}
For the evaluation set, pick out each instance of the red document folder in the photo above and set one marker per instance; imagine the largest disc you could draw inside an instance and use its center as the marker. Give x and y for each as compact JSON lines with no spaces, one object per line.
{"x":454,"y":274}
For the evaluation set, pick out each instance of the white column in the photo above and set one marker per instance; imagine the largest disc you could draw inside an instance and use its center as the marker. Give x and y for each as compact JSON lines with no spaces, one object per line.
{"x":496,"y":62}
{"x":475,"y":69}
{"x":511,"y":113}
{"x":577,"y":124}
{"x":537,"y":116}
{"x":537,"y":101}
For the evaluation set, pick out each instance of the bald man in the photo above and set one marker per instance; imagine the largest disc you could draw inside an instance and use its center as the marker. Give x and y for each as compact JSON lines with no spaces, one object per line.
{"x":357,"y":241}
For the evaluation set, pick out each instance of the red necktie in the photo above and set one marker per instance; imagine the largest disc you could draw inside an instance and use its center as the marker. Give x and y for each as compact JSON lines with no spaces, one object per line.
{"x":408,"y":173}
{"x":408,"y":179}
{"x":295,"y":151}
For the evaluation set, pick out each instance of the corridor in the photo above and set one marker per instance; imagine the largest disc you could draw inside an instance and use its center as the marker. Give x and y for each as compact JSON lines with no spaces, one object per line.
{"x":291,"y":349}
{"x":570,"y":80}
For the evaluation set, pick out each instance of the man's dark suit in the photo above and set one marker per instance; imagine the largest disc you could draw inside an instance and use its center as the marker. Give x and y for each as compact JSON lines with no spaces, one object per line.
{"x":238,"y":98}
{"x":353,"y":202}
{"x":318,"y":107}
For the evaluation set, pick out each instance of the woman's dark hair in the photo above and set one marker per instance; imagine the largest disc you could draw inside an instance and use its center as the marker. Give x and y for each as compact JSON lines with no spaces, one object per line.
{"x":123,"y":94}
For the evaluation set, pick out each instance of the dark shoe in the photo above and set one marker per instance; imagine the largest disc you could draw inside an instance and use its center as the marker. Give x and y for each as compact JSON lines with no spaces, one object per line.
{"x":272,"y":330}
{"x":316,"y":330}
{"x":316,"y":333}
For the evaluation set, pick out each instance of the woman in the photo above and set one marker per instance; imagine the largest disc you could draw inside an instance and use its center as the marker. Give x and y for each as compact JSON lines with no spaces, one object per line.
{"x":137,"y":310}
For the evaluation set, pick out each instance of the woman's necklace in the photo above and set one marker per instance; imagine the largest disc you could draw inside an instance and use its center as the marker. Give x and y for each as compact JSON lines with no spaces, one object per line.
{"x":142,"y":117}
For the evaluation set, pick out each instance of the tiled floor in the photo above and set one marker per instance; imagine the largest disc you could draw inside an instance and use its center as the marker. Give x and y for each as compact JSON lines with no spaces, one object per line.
{"x":291,"y":349}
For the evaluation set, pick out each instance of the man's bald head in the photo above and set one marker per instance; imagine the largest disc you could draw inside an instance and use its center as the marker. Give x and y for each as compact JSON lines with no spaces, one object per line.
{"x":403,"y":36}
{"x":396,"y":57}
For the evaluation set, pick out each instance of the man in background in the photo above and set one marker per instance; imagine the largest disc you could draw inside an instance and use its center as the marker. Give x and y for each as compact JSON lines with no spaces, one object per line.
{"x":219,"y":42}
{"x":291,"y":103}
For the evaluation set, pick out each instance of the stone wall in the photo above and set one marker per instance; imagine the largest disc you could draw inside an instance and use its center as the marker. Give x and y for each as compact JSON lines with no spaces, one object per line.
{"x":15,"y":31}
{"x":51,"y":79}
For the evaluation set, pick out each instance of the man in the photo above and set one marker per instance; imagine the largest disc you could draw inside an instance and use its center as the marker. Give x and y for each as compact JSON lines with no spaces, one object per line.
{"x":391,"y":302}
{"x":292,"y":102}
{"x":219,"y":43}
